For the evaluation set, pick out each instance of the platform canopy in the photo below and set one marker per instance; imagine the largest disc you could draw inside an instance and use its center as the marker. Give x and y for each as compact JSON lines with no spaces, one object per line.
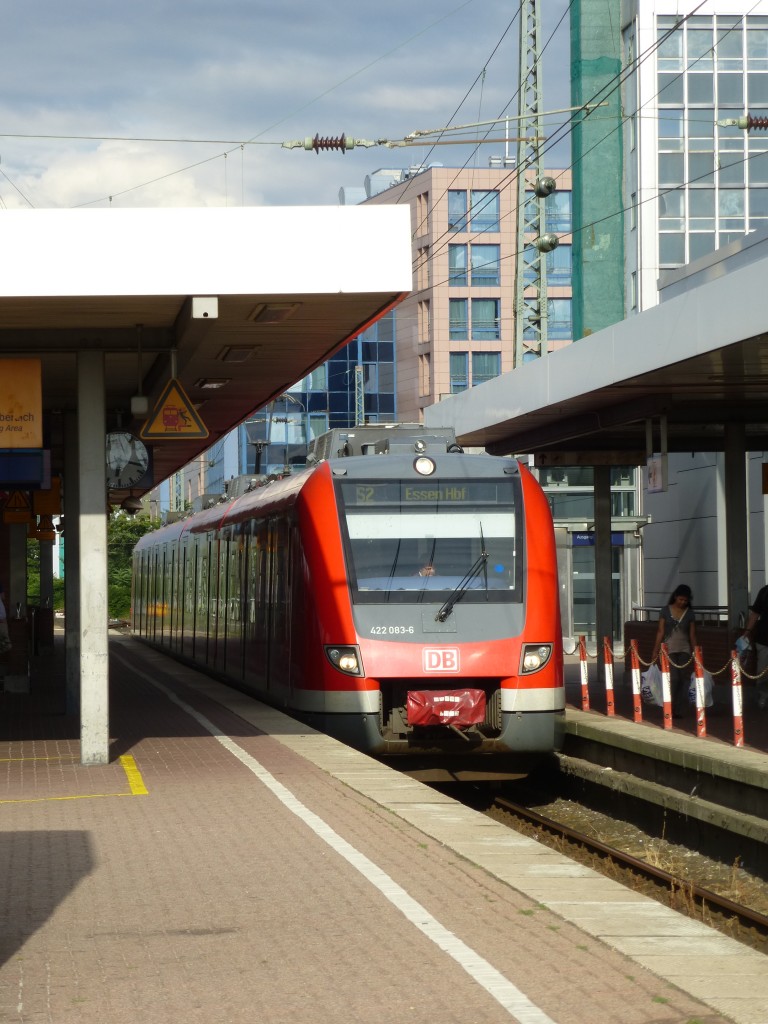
{"x":698,"y":360}
{"x":239,"y":303}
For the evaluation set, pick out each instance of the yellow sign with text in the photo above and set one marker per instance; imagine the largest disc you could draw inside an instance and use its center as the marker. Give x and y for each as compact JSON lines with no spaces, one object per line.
{"x":21,"y":403}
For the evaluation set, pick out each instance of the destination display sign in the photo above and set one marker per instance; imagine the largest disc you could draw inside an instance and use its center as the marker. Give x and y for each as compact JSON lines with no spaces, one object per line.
{"x":422,"y":492}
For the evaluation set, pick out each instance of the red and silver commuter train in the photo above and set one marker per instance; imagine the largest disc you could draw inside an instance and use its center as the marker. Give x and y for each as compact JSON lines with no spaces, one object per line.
{"x":398,"y":594}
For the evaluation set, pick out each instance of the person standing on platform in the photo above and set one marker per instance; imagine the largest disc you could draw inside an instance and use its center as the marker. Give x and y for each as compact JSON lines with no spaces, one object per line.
{"x":756,"y":632}
{"x":677,"y":629}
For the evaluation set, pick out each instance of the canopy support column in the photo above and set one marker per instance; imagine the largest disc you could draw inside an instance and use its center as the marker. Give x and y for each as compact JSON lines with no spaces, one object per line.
{"x":92,"y":557}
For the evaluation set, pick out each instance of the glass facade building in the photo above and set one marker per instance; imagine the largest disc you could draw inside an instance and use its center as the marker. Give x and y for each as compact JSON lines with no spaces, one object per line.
{"x":357,"y":385}
{"x":695,"y":180}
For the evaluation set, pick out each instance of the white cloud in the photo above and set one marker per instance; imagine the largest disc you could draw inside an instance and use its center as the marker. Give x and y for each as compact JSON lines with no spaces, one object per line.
{"x":240,"y":70}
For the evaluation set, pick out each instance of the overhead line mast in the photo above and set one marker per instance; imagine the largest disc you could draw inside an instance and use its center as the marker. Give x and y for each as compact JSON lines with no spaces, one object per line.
{"x":532,"y":244}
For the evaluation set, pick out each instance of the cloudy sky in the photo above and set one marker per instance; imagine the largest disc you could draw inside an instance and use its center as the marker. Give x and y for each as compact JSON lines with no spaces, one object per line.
{"x":86,"y":88}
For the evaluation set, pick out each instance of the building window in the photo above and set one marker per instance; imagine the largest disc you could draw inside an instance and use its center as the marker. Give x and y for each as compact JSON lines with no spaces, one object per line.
{"x":701,"y":146}
{"x":633,"y":290}
{"x":318,"y":423}
{"x":459,"y":363}
{"x":317,"y":379}
{"x":485,"y":320}
{"x":425,"y":375}
{"x":484,"y":214}
{"x":757,"y":43}
{"x":758,"y":208}
{"x":485,"y":366}
{"x":672,"y":210}
{"x":671,"y":133}
{"x":423,"y":267}
{"x":671,"y":170}
{"x":424,"y":321}
{"x":731,"y":209}
{"x":422,"y":214}
{"x":458,"y":323}
{"x":730,"y":44}
{"x":560,"y":266}
{"x":457,"y":264}
{"x":670,"y":51}
{"x":671,"y":249}
{"x":557,"y":212}
{"x":485,"y":265}
{"x":457,"y":210}
{"x":559,"y":319}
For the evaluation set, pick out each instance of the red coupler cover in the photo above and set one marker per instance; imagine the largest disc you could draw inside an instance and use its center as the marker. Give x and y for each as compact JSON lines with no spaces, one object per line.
{"x":446,"y":707}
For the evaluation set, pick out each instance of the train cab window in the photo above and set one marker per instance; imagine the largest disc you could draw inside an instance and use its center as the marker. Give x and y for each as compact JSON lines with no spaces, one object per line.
{"x":406,"y":542}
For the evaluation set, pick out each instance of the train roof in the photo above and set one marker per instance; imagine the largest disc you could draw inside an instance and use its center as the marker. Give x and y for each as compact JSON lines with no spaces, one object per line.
{"x":339,"y":451}
{"x":379,"y":439}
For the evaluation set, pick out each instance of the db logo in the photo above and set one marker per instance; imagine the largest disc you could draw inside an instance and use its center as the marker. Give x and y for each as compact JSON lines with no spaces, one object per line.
{"x":440,"y":659}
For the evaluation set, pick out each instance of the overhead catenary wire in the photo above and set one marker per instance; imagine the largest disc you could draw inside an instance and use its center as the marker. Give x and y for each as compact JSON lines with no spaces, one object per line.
{"x":599,"y":97}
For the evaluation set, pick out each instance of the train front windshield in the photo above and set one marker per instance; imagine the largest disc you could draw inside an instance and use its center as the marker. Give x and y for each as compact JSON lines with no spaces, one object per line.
{"x":409,"y":541}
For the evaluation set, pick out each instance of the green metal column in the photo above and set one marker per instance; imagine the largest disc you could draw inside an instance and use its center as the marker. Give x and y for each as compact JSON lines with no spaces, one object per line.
{"x":598,"y":200}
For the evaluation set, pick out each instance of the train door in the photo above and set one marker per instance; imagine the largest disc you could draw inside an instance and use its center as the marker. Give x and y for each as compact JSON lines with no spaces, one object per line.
{"x":194,"y":597}
{"x":181,"y":594}
{"x":155,"y":590}
{"x":232,"y":659}
{"x":137,"y":592}
{"x":243,"y":546}
{"x":205,"y":613}
{"x":279,"y":633}
{"x":259,"y":653}
{"x":218,"y":592}
{"x":186,"y":595}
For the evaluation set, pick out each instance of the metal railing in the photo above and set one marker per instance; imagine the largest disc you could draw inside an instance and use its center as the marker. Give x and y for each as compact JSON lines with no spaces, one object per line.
{"x":703,"y":613}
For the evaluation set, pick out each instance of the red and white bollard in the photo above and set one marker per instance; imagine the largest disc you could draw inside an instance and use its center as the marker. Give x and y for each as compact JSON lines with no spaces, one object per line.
{"x":701,"y":715}
{"x":584,"y":673}
{"x":738,"y":704}
{"x":666,"y":690}
{"x":637,"y":700}
{"x":608,"y":658}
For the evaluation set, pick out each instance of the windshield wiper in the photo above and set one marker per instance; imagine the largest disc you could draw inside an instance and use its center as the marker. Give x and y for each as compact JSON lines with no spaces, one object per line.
{"x":480,"y":565}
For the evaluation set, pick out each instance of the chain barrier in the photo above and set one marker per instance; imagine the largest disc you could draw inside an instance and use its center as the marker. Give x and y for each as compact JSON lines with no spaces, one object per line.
{"x":698,"y":692}
{"x":691,"y":661}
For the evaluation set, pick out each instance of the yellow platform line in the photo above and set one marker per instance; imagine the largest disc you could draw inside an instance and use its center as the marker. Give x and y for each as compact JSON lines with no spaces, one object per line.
{"x":53,"y":757}
{"x":135,"y":780}
{"x":133,"y":775}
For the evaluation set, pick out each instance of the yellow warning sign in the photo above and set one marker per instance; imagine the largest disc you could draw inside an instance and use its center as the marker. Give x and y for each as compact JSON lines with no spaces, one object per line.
{"x":173,"y":416}
{"x":17,"y":508}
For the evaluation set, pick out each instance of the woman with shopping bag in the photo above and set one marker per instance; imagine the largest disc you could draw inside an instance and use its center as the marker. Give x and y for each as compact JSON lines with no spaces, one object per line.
{"x":677,"y":629}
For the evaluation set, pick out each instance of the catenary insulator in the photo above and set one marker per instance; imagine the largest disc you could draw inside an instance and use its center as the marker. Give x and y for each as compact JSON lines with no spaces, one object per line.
{"x":546,"y":243}
{"x":544,"y":187}
{"x":342,"y":143}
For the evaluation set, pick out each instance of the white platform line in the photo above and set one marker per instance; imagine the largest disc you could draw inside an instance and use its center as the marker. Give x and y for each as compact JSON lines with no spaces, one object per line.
{"x":495,"y":984}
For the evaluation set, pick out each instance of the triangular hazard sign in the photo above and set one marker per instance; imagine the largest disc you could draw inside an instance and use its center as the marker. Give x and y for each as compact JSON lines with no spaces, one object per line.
{"x":17,"y":508}
{"x":173,"y":416}
{"x":17,"y":501}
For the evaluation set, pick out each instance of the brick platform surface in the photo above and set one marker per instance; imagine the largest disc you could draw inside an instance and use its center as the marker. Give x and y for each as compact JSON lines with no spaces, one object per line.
{"x":205,"y":899}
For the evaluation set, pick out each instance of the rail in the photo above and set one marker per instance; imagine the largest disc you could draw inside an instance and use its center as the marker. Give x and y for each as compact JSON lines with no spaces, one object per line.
{"x":745,"y":923}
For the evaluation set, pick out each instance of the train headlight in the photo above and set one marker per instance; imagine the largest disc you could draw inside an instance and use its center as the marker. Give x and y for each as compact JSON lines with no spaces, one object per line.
{"x":424,"y":465}
{"x":535,"y":657}
{"x":345,"y":659}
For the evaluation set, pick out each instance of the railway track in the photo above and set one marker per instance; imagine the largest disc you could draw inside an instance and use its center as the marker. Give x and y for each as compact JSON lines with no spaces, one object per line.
{"x":744,"y":923}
